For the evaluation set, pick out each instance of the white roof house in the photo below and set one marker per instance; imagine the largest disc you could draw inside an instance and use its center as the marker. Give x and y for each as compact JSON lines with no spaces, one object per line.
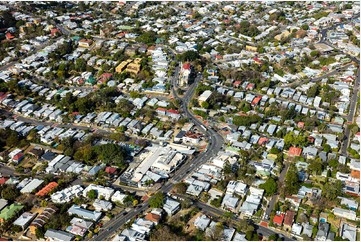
{"x":58,"y":235}
{"x":84,"y":213}
{"x":105,"y":192}
{"x":296,"y":229}
{"x":348,"y":232}
{"x":24,"y":220}
{"x":344,"y":213}
{"x":67,"y":194}
{"x":118,"y":197}
{"x":31,"y":186}
{"x":204,"y":96}
{"x":202,"y":222}
{"x":171,"y":206}
{"x":229,"y":202}
{"x":102,"y":205}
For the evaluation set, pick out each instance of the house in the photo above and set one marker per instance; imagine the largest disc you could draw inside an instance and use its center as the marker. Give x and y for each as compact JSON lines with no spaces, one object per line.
{"x":236,"y":187}
{"x":288,"y":221}
{"x":171,"y":206}
{"x":344,"y":213}
{"x":79,"y":226}
{"x":323,"y":230}
{"x":229,"y":202}
{"x":350,"y":203}
{"x":58,"y":235}
{"x":204,"y":97}
{"x":3,"y":203}
{"x":202,"y":222}
{"x":296,"y":229}
{"x":278,"y":219}
{"x":102,"y":205}
{"x":142,"y":225}
{"x":355,"y":169}
{"x":24,"y":220}
{"x":348,"y":232}
{"x":294,"y":151}
{"x":84,"y":213}
{"x":31,"y":186}
{"x":10,"y":211}
{"x":41,"y":219}
{"x":118,"y":197}
{"x":105,"y":192}
{"x":155,"y":218}
{"x":307,"y":229}
{"x":85,"y":43}
{"x":132,"y":235}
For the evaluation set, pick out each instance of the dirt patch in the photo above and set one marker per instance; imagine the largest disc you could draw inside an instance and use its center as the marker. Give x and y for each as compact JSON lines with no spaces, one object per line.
{"x":190,"y":228}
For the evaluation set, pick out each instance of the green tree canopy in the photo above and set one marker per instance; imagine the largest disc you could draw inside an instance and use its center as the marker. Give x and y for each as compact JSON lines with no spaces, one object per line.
{"x":270,"y":186}
{"x":157,"y":200}
{"x":92,"y":194}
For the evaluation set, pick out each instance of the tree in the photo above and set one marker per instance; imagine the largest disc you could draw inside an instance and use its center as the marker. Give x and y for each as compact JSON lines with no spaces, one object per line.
{"x":147,"y":38}
{"x":332,"y":190}
{"x":180,"y":188}
{"x":157,"y":200}
{"x":313,"y":91}
{"x":189,"y":55}
{"x":12,"y":139}
{"x":291,"y":182}
{"x":39,"y":232}
{"x":315,"y":166}
{"x":305,"y":27}
{"x":92,"y":194}
{"x":246,"y":120}
{"x":315,"y":53}
{"x":216,"y":232}
{"x":270,"y":186}
{"x":205,"y":105}
{"x":10,"y":193}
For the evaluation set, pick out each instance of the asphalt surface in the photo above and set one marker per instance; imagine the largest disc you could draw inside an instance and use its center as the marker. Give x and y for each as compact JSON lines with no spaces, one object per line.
{"x":274,"y":198}
{"x":351,"y":113}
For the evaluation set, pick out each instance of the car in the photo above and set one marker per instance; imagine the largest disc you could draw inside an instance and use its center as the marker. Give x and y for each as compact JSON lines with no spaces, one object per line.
{"x":125,"y":213}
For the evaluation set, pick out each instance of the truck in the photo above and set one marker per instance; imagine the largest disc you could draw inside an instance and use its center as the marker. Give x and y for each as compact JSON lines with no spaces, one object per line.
{"x":204,"y":127}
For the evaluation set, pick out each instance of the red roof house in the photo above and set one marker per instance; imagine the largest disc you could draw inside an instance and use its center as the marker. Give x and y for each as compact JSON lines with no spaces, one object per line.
{"x":262,"y":140}
{"x":155,"y":218}
{"x":250,"y":86}
{"x":18,"y":157}
{"x":54,"y":31}
{"x":236,"y":83}
{"x":294,"y":151}
{"x":289,"y":219}
{"x":278,"y":219}
{"x":256,"y":100}
{"x":3,"y":180}
{"x":187,"y":66}
{"x":110,"y":170}
{"x":9,"y":36}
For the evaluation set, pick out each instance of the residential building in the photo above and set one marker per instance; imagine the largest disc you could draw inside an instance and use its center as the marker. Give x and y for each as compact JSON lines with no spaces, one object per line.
{"x":58,"y":235}
{"x":84,"y":213}
{"x":171,"y":206}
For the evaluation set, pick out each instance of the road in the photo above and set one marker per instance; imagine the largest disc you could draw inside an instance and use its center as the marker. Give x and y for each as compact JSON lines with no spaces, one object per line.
{"x":215,"y":212}
{"x":352,"y":112}
{"x":274,"y":198}
{"x":356,"y":87}
{"x":215,"y":145}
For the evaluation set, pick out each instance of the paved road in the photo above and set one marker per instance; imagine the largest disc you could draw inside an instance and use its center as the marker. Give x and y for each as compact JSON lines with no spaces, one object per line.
{"x":274,"y":198}
{"x":352,"y":112}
